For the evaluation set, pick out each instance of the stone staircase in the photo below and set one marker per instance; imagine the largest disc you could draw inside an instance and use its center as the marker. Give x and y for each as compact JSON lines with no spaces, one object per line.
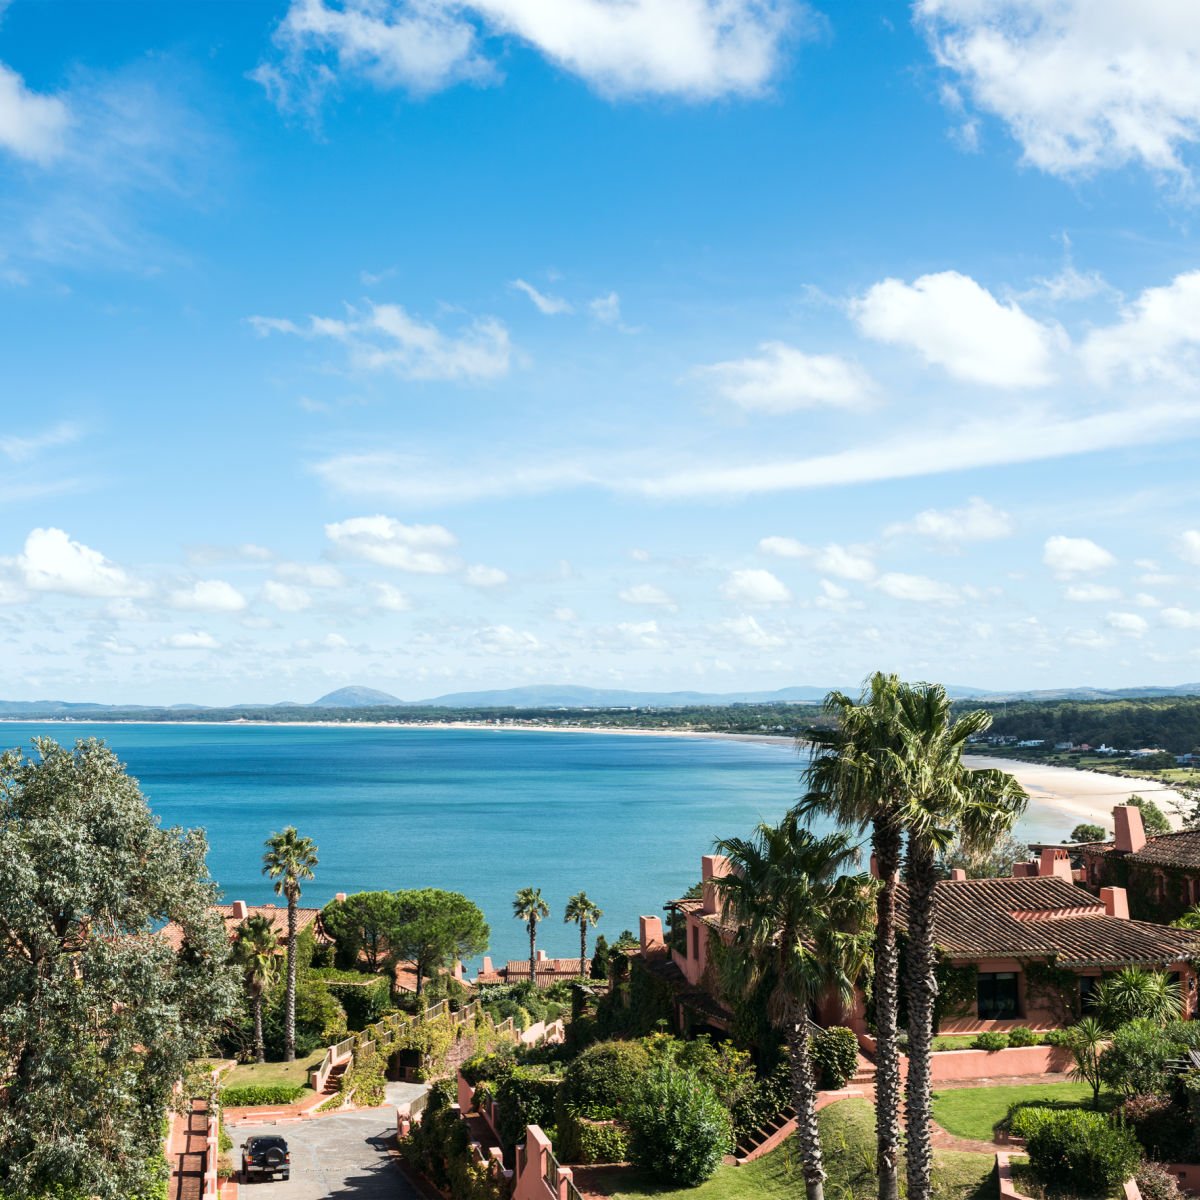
{"x":766,"y":1137}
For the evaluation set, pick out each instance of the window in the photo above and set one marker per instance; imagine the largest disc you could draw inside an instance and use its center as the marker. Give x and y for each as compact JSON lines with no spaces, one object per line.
{"x":998,"y":995}
{"x":1087,"y":988}
{"x":696,"y":942}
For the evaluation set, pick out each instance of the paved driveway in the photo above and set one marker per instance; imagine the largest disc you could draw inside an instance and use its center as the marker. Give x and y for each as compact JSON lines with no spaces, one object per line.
{"x":345,"y":1156}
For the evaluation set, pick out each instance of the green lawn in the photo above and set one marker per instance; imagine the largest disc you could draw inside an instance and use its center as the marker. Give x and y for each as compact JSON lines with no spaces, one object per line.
{"x":848,"y":1139}
{"x":972,"y":1112}
{"x":271,"y":1073}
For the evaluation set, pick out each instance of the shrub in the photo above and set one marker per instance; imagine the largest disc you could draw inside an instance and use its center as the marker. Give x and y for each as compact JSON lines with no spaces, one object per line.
{"x":489,"y":1066}
{"x":1022,"y":1035}
{"x":1082,"y":1152}
{"x":364,"y":998}
{"x":366,"y":1078}
{"x":1163,"y":1128}
{"x":584,"y":1141}
{"x":1057,"y":1037}
{"x":1135,"y":1062}
{"x":256,"y":1094}
{"x":1023,"y":1119}
{"x":526,"y":1097}
{"x":678,"y":1129}
{"x":1155,"y":1182}
{"x":990,"y":1040}
{"x":599,"y":1083}
{"x":835,"y":1055}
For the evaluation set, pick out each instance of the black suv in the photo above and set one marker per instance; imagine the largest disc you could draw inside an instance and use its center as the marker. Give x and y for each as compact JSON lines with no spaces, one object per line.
{"x":266,"y":1157}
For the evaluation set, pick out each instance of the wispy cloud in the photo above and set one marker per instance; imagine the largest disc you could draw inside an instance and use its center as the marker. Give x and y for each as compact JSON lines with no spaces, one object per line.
{"x":547,"y":305}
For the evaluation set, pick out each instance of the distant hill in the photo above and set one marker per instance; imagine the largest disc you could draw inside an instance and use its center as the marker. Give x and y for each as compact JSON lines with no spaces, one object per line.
{"x":569,"y":696}
{"x":355,"y":697}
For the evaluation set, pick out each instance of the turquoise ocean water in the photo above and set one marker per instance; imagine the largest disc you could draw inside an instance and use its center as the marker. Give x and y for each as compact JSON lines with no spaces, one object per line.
{"x":624,"y":818}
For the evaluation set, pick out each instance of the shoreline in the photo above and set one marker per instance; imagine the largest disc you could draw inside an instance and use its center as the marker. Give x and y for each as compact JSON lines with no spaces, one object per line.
{"x":1059,"y":796}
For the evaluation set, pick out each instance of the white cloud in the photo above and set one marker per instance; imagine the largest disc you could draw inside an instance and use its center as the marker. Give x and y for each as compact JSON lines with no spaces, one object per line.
{"x":784,"y":547}
{"x":196,"y":640}
{"x":1081,"y":84}
{"x":1067,"y":556}
{"x":1145,"y":600}
{"x":390,"y":543}
{"x":485,"y":577}
{"x":390,"y":598}
{"x":917,"y":588}
{"x":846,"y":562}
{"x":32,"y":126}
{"x":648,"y":593}
{"x":1181,"y":618}
{"x":1089,"y":593}
{"x":747,"y":630}
{"x":693,"y":49}
{"x":386,"y":337}
{"x":639,"y":555}
{"x":1127,"y":623}
{"x":956,"y":324}
{"x":754,"y":586}
{"x":317,"y":575}
{"x":606,"y":309}
{"x":566,"y":615}
{"x":783,"y":379}
{"x":22,"y":449}
{"x":52,"y":562}
{"x":286,"y":597}
{"x":504,"y":639}
{"x":1189,"y":546}
{"x":642,"y":633}
{"x":1158,"y":337}
{"x":208,"y":595}
{"x":835,"y":597}
{"x":113,"y":645}
{"x":549,"y":306}
{"x":976,"y":521}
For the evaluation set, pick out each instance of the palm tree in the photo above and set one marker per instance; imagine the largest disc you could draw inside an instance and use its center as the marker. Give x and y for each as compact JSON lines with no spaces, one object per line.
{"x":944,"y":801}
{"x":853,"y":777}
{"x":1189,"y":920}
{"x":800,"y":923}
{"x":1087,"y":1041}
{"x":580,"y":908}
{"x":1132,"y":994}
{"x":290,"y":860}
{"x":254,"y":952}
{"x":528,"y":906}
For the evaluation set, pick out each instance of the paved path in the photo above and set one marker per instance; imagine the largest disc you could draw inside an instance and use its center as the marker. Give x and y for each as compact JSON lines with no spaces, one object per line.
{"x":188,"y":1142}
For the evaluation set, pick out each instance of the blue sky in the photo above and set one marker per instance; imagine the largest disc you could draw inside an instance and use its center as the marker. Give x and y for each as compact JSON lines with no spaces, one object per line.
{"x":718,"y":344}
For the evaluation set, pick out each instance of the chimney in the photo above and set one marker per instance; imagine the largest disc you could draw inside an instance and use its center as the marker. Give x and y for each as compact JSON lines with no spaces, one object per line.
{"x":650,"y":932}
{"x":957,"y":874}
{"x":340,"y":898}
{"x":1116,"y":902}
{"x":458,"y":970}
{"x":712,"y":866}
{"x":239,"y":910}
{"x":541,"y":956}
{"x":1023,"y":870}
{"x":1055,"y":861}
{"x":487,"y":968}
{"x":1130,"y":832}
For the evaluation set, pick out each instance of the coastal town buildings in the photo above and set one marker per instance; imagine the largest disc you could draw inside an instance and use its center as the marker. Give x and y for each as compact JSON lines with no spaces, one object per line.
{"x":548,"y":971}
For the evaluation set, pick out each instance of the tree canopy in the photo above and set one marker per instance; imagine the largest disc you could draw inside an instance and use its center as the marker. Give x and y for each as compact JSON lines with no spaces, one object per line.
{"x":364,"y":926}
{"x":101,"y":1012}
{"x":436,"y":928}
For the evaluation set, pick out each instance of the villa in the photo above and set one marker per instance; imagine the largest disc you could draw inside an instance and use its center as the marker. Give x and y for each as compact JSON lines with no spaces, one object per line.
{"x":235,"y":914}
{"x":1162,"y":872}
{"x":1030,"y":949}
{"x":549,"y":970}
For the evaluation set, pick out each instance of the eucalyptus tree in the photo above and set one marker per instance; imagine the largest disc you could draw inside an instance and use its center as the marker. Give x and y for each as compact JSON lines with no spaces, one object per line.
{"x":255,"y":953}
{"x":800,"y":924}
{"x":530,"y":907}
{"x":944,"y":802}
{"x":582,"y":910}
{"x":290,"y":860}
{"x":855,"y":777}
{"x":114,"y":973}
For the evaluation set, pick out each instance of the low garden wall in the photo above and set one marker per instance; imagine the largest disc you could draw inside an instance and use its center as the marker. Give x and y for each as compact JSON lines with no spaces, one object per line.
{"x":955,"y":1065}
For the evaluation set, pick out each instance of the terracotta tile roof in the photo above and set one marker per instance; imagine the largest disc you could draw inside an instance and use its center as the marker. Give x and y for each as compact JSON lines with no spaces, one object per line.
{"x":406,"y":977}
{"x":1045,"y":917}
{"x":276,"y":914}
{"x":1180,"y":849}
{"x":549,"y":970}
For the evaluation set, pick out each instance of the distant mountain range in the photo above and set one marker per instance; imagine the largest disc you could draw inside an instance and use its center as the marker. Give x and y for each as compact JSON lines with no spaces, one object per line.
{"x":563,"y":696}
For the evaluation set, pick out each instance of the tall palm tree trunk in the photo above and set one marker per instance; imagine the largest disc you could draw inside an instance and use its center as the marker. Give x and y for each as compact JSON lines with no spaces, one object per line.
{"x":921,"y":982}
{"x":804,"y":1101}
{"x":260,"y":1049}
{"x":289,"y":1027}
{"x":886,"y":844}
{"x":533,"y":952}
{"x":583,"y":947}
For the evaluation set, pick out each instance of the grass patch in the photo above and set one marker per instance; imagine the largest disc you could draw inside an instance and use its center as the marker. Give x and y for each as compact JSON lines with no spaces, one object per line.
{"x":274,"y":1074}
{"x":848,"y":1140}
{"x":973,"y":1112}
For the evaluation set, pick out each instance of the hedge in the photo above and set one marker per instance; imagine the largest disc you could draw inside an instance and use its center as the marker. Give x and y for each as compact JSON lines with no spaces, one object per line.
{"x":1082,"y":1152}
{"x":257,"y":1094}
{"x":835,"y":1055}
{"x":526,"y":1097}
{"x":585,"y":1141}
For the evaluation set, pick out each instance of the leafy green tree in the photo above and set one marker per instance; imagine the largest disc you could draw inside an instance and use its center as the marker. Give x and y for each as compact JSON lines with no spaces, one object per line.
{"x":943,"y":801}
{"x":1087,"y":833}
{"x":528,"y":906}
{"x":600,"y":953}
{"x":434,"y":928}
{"x":1189,"y":920}
{"x":364,"y":927}
{"x":100,"y":1012}
{"x":801,"y":923}
{"x":854,"y":777}
{"x":1132,"y":994}
{"x":1154,"y":820}
{"x":290,"y":860}
{"x":1086,"y":1041}
{"x":583,"y":911}
{"x":255,"y":951}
